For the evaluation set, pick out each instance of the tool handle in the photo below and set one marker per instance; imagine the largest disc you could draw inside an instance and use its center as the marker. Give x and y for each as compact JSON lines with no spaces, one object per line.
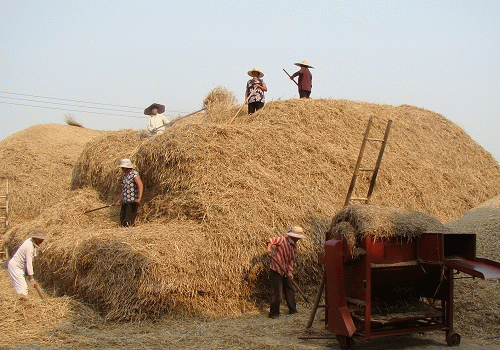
{"x":91,"y":210}
{"x":39,"y":290}
{"x":290,"y":77}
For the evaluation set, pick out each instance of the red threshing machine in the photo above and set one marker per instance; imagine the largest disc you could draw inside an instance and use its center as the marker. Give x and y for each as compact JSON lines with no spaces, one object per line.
{"x":397,"y":285}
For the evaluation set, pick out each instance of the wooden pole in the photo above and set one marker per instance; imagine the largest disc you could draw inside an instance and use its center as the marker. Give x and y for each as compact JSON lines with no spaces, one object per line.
{"x":248,"y":97}
{"x":39,"y":291}
{"x":316,"y":302}
{"x":91,"y":210}
{"x":290,"y":77}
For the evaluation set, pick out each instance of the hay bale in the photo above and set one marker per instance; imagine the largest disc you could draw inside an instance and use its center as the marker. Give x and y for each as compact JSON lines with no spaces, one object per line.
{"x":38,"y":162}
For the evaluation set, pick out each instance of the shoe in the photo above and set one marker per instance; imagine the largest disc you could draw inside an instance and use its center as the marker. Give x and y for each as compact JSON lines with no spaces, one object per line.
{"x":274,"y":316}
{"x":292,"y":312}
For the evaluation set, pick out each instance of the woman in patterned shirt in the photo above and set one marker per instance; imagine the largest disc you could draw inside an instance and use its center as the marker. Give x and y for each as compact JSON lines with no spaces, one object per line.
{"x":254,"y":93}
{"x":131,"y":194}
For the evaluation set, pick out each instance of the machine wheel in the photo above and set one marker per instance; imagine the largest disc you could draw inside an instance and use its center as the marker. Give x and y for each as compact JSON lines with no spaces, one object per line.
{"x":453,"y":339}
{"x":345,"y":342}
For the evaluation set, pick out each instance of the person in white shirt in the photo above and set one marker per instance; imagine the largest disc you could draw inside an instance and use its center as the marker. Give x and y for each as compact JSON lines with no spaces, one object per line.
{"x":156,"y":120}
{"x":21,"y":264}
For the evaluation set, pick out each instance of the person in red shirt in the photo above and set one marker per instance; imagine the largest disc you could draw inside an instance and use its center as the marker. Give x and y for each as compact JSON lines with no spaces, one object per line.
{"x":305,"y":79}
{"x":281,"y":269}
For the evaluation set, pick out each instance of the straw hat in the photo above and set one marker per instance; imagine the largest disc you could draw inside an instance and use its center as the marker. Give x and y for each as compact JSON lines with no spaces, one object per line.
{"x":159,"y":107}
{"x":39,"y":233}
{"x":296,"y":231}
{"x":303,"y":64}
{"x":126,"y":163}
{"x":255,"y":69}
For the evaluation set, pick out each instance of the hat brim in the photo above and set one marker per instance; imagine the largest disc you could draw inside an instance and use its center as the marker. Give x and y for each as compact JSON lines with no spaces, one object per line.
{"x":303,"y":65}
{"x":44,"y":237}
{"x":296,"y":235}
{"x":161,"y":109}
{"x":251,"y":71}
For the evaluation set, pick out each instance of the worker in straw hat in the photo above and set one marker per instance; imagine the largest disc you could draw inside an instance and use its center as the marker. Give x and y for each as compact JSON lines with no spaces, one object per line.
{"x":131,"y":193}
{"x":254,"y":92}
{"x":20,"y":266}
{"x":156,"y":120}
{"x":305,"y":79}
{"x":281,"y":269}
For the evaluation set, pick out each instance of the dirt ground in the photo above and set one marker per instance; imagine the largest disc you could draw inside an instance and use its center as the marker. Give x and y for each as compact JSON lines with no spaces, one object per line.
{"x":62,"y":323}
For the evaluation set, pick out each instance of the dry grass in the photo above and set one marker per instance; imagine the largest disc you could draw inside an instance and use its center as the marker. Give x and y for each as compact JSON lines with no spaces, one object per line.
{"x":70,"y":120}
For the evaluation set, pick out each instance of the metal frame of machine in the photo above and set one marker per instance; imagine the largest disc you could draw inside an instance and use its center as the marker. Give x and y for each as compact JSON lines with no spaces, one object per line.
{"x":415,"y":275}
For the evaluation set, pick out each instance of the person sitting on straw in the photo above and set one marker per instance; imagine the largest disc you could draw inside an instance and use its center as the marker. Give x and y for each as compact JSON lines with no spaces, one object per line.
{"x":131,"y":193}
{"x":156,"y":120}
{"x":305,"y":79}
{"x":21,"y":264}
{"x":283,"y":258}
{"x":254,"y":93}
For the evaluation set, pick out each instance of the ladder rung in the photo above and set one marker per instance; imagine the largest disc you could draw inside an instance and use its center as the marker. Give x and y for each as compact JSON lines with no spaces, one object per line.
{"x":358,"y":199}
{"x":3,"y":196}
{"x":366,"y":169}
{"x":372,"y":139}
{"x":3,"y":217}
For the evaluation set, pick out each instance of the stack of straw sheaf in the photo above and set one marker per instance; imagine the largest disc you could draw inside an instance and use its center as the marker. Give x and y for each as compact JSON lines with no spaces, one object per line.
{"x":214,"y":192}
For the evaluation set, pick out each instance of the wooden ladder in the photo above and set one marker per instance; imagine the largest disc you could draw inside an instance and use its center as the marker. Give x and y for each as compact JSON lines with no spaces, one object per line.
{"x":4,"y":207}
{"x":349,"y":198}
{"x":374,"y":170}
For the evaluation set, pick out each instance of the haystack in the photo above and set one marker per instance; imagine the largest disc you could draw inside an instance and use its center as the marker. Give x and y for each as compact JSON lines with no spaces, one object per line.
{"x":38,"y":162}
{"x":214,"y":192}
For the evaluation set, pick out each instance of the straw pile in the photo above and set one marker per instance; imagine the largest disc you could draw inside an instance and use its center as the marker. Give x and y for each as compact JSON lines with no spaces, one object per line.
{"x":479,"y":300}
{"x":356,"y":221}
{"x":215,"y":192}
{"x":38,"y":162}
{"x":89,"y":168}
{"x":218,"y":104}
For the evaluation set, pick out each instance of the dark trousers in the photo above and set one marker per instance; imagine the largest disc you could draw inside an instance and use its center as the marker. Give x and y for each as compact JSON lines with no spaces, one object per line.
{"x":128,"y":212}
{"x":254,"y":106}
{"x":304,"y":93}
{"x":279,"y":285}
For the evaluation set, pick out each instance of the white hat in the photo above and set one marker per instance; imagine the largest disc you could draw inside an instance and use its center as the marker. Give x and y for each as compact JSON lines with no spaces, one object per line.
{"x":296,"y":231}
{"x":39,"y":233}
{"x":304,"y":63}
{"x":126,"y":163}
{"x":255,"y":69}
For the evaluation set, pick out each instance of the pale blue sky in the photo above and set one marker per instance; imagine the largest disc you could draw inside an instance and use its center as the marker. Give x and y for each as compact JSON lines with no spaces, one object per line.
{"x":439,"y":55}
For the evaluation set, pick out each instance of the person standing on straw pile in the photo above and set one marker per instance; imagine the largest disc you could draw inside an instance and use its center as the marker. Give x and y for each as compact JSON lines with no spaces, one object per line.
{"x":254,"y":93}
{"x":283,"y":258}
{"x":156,"y":120}
{"x":131,"y":193}
{"x":305,"y":79}
{"x":21,"y":264}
